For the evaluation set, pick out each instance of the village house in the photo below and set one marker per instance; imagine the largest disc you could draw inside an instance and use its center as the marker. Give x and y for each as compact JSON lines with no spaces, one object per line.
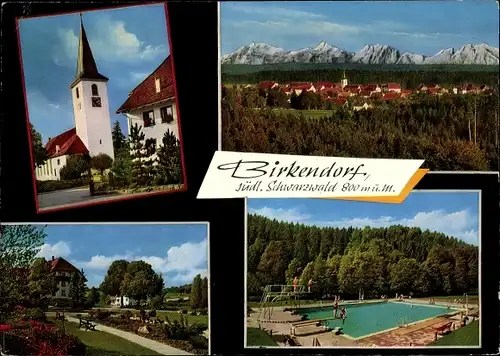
{"x":365,"y":106}
{"x":63,"y":271}
{"x":320,"y":86}
{"x":394,"y":87}
{"x":267,"y":85}
{"x":127,"y":301}
{"x":92,"y":132}
{"x":152,"y":105}
{"x":298,"y":88}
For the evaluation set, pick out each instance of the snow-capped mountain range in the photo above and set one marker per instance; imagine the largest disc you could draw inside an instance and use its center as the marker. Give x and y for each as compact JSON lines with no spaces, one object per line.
{"x":262,"y":53}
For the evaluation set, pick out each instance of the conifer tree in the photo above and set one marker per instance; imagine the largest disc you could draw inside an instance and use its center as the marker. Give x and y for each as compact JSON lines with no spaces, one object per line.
{"x":138,"y":153}
{"x":169,"y":167}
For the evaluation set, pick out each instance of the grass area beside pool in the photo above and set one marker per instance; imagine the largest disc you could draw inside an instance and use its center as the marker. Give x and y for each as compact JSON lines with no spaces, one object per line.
{"x":473,"y":299}
{"x":258,"y":337}
{"x":100,"y":343}
{"x":466,"y":336}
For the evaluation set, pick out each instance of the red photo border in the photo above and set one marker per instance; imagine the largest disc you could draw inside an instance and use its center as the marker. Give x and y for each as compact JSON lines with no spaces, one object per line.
{"x":32,"y":158}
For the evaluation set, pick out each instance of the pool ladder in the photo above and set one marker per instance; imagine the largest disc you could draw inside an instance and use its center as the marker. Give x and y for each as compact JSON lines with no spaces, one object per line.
{"x":403,"y":322}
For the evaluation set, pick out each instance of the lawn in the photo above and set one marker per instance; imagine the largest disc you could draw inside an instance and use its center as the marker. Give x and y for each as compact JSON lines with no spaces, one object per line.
{"x":473,"y":299}
{"x":100,"y":343}
{"x":258,"y":337}
{"x":172,"y":315}
{"x":309,"y":114}
{"x":466,"y":336}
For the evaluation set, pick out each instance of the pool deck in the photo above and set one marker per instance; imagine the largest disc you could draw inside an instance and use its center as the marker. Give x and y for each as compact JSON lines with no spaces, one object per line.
{"x":416,"y":334}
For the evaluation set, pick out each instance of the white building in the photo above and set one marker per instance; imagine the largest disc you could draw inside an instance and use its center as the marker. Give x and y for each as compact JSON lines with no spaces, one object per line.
{"x":116,"y":301}
{"x":63,"y":271}
{"x":92,"y":131}
{"x":152,"y":105}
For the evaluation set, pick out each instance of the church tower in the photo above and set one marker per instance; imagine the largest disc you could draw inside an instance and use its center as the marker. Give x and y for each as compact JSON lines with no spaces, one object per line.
{"x":89,"y":91}
{"x":343,"y":82}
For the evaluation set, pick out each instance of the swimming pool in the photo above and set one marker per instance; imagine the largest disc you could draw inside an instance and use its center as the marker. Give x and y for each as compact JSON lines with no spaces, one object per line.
{"x":367,"y":319}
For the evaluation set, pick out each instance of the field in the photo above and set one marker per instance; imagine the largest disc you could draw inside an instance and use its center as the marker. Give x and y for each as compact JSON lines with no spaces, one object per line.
{"x":238,"y":69}
{"x":258,"y":337}
{"x":308,"y":114}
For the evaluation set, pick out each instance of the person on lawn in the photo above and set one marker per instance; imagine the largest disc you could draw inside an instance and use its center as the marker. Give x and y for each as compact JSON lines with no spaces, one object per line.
{"x":309,"y":285}
{"x":295,"y":283}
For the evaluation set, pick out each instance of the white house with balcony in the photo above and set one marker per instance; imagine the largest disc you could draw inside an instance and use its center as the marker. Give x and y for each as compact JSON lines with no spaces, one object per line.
{"x":152,"y":105}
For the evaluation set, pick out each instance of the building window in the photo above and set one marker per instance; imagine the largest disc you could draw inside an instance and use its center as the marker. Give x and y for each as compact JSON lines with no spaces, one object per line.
{"x":77,"y":93}
{"x":100,"y":142}
{"x":149,"y":118}
{"x":79,"y":106}
{"x":167,"y":115}
{"x":95,"y":91}
{"x":63,"y":292}
{"x":55,"y":173}
{"x":157,"y":84}
{"x":58,"y":162}
{"x":63,"y":283}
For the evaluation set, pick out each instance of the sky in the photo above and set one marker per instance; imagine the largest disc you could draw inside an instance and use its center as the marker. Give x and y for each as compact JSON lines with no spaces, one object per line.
{"x":128,"y":44}
{"x":178,"y":251}
{"x":423,"y":27}
{"x":454,"y":214}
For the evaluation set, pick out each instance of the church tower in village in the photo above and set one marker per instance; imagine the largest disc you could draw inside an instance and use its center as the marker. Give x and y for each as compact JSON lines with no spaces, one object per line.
{"x":89,"y":91}
{"x":343,"y":82}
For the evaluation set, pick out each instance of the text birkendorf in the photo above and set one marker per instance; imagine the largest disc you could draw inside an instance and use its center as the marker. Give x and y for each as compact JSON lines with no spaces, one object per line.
{"x":255,"y":169}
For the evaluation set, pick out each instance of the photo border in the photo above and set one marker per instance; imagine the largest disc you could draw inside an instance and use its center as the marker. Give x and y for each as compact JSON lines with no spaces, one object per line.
{"x":403,"y":349}
{"x":23,"y":80}
{"x":207,"y":223}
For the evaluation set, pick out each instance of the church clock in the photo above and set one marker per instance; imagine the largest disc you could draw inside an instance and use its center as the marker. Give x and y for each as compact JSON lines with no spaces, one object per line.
{"x":96,"y":102}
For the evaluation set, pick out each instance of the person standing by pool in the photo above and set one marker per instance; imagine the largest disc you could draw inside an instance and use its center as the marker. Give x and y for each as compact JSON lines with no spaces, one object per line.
{"x":343,"y":315}
{"x":295,"y":283}
{"x":336,"y":305}
{"x":309,"y":285}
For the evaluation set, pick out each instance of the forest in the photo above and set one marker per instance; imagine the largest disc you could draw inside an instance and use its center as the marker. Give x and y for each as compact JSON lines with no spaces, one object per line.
{"x":451,"y":132}
{"x":408,"y":79}
{"x":378,"y":261}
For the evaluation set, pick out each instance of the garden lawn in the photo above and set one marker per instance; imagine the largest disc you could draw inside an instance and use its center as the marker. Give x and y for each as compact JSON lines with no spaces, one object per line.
{"x":473,"y":299}
{"x":466,"y":336}
{"x":191,"y":319}
{"x":258,"y":337}
{"x":100,"y":343}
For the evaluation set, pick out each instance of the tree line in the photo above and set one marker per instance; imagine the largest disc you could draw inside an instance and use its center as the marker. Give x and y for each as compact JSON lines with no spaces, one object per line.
{"x":408,"y":79}
{"x":377,"y":261}
{"x":458,"y":132}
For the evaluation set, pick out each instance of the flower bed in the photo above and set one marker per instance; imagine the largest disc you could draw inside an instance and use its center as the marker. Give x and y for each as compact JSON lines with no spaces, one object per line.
{"x":178,"y":334}
{"x":35,"y":338}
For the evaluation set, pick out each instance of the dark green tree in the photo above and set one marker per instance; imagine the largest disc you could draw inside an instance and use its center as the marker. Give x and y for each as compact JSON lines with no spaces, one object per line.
{"x":40,"y":154}
{"x":169,"y":168}
{"x":196,"y":296}
{"x":119,"y":140}
{"x":75,"y":167}
{"x":77,"y":289}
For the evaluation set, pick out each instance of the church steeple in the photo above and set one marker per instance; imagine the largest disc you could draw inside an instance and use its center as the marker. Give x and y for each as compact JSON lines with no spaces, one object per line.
{"x":86,"y":68}
{"x":344,"y":81}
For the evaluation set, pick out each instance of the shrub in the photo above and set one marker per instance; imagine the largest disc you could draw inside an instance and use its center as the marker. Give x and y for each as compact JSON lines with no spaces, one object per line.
{"x":127,"y":314}
{"x":181,"y":330}
{"x":51,"y":185}
{"x":98,"y":314}
{"x":152,"y":313}
{"x":142,"y":314}
{"x":30,"y":314}
{"x":199,"y":342}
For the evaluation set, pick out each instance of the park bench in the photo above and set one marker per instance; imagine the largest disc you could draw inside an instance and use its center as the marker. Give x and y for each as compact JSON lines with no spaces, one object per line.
{"x":442,"y":328}
{"x":87,"y":324}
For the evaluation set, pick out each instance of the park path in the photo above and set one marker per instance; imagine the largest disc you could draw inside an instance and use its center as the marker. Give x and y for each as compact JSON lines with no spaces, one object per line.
{"x":139,"y":340}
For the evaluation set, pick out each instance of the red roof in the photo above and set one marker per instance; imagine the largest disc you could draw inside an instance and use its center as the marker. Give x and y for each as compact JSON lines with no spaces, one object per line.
{"x":393,"y":86}
{"x":407,"y":91}
{"x":267,"y":84}
{"x":433,"y":90}
{"x":300,"y":86}
{"x":145,"y":93}
{"x":390,"y":96}
{"x":68,"y":142}
{"x":365,"y":93}
{"x":324,"y":84}
{"x":339,"y":101}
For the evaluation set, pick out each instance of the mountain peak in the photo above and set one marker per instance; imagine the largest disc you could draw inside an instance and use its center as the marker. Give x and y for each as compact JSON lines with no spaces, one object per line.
{"x":262,"y":53}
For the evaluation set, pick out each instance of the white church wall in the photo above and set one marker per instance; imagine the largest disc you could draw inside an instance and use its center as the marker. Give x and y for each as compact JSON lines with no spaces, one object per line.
{"x":51,"y":170}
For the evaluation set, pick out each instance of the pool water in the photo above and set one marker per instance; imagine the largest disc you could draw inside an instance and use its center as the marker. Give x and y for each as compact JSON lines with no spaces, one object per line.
{"x":372,"y":318}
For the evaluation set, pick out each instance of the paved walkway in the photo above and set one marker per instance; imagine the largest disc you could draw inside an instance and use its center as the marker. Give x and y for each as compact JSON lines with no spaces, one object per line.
{"x":139,"y":340}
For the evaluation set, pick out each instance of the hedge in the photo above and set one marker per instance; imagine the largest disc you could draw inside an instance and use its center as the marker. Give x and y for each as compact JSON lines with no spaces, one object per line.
{"x":51,"y":185}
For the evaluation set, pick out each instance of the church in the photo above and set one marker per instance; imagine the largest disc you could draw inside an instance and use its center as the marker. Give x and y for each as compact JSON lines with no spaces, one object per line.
{"x":92,"y":132}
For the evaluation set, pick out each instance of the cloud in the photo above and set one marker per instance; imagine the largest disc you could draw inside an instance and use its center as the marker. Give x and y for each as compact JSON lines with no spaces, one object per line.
{"x":113,"y":44}
{"x":291,"y":215}
{"x":184,"y":261}
{"x":278,"y":26}
{"x":460,"y":224}
{"x":53,"y":117}
{"x":60,"y":249}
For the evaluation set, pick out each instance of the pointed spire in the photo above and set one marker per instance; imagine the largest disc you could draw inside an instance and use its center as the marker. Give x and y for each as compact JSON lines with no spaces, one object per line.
{"x":344,"y":77}
{"x":86,"y":68}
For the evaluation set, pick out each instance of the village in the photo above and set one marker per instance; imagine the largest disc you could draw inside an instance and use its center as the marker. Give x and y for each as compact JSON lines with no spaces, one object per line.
{"x":363,"y":95}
